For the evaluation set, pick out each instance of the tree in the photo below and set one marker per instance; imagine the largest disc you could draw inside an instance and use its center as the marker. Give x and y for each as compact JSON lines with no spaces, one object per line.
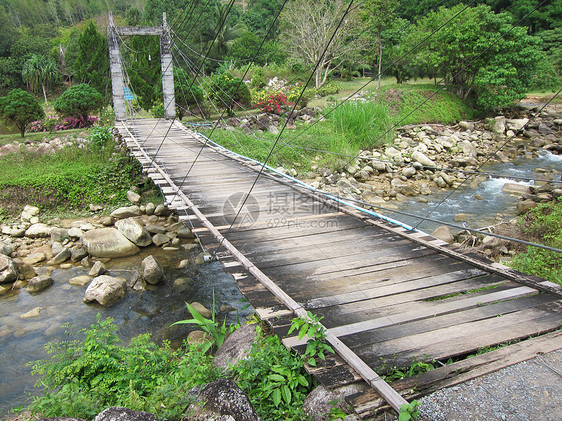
{"x":40,"y":71}
{"x":20,"y":108}
{"x":479,"y":54}
{"x":379,"y":14}
{"x":79,"y":100}
{"x":246,"y":47}
{"x":92,"y":63}
{"x":145,"y":71}
{"x":308,"y":27}
{"x":225,"y":33}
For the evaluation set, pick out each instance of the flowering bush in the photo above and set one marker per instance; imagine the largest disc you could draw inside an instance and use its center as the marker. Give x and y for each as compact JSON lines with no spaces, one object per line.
{"x":275,"y":103}
{"x":54,"y":122}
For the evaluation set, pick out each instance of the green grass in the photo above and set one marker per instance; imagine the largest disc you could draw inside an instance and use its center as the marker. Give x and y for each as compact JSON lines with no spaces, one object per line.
{"x":542,"y":224}
{"x":69,"y":179}
{"x":37,"y":137}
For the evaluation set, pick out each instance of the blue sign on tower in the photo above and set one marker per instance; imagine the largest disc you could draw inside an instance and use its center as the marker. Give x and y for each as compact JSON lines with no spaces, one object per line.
{"x":128,"y":94}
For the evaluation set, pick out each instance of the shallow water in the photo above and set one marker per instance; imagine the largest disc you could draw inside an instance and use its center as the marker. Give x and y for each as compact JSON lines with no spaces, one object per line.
{"x":495,"y":206}
{"x":151,"y":311}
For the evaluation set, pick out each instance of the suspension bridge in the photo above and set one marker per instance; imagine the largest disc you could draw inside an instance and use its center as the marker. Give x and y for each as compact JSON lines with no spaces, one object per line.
{"x":388,"y":296}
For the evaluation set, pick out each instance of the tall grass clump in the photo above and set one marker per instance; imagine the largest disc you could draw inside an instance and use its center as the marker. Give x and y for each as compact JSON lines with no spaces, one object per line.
{"x":361,"y":125}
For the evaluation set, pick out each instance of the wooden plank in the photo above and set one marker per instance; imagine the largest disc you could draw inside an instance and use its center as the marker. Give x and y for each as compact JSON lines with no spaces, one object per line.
{"x":460,"y":339}
{"x":424,"y":325}
{"x":432,"y":309}
{"x":365,"y":294}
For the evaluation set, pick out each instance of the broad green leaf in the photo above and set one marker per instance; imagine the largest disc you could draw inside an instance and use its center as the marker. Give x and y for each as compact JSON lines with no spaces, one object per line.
{"x":286,"y":392}
{"x":276,"y":396}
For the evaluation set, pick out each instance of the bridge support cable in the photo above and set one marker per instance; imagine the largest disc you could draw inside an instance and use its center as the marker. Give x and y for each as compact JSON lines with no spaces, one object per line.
{"x":241,"y":81}
{"x":286,"y":121}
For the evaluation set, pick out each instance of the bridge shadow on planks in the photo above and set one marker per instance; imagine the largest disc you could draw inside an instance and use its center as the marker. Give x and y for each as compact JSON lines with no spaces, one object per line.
{"x":394,"y":297}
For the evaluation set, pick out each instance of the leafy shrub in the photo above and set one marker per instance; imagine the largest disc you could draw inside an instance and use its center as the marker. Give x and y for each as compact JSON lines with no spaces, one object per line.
{"x":55,"y":122}
{"x":542,"y":224}
{"x":274,"y":380}
{"x":157,"y":111}
{"x":276,"y":103}
{"x":79,"y":100}
{"x":229,"y":92}
{"x":100,"y":137}
{"x":96,"y":371}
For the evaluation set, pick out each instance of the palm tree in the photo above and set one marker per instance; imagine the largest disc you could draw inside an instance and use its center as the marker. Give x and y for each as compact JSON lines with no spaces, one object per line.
{"x":226,"y":33}
{"x":40,"y":70}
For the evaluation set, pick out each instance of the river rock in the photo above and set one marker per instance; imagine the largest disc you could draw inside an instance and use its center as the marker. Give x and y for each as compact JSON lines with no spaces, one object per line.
{"x":516,"y":124}
{"x":106,"y":290}
{"x":108,"y":242}
{"x":134,"y":231}
{"x":149,"y":208}
{"x":220,"y":398}
{"x":184,"y":232}
{"x":468,"y":148}
{"x":126,"y":212}
{"x":59,"y":234}
{"x":443,"y":233}
{"x":29,"y":212}
{"x":203,"y":311}
{"x":155,"y":229}
{"x":160,"y":239}
{"x":320,"y":402}
{"x":460,"y":217}
{"x":466,"y":125}
{"x":515,"y":188}
{"x":422,"y":159}
{"x":95,"y":208}
{"x":38,"y":231}
{"x":409,"y":172}
{"x":31,"y":313}
{"x":6,"y":249}
{"x":78,"y":253}
{"x":80,"y":281}
{"x":106,"y":221}
{"x":133,"y":197}
{"x":525,"y":206}
{"x":183,"y":284}
{"x":34,"y":258}
{"x":61,"y":257}
{"x":116,"y":413}
{"x":26,"y":271}
{"x":497,"y":125}
{"x":236,"y":347}
{"x":4,"y":290}
{"x":56,"y":247}
{"x":39,"y":283}
{"x":75,"y":232}
{"x":152,"y":271}
{"x":161,"y":210}
{"x":97,"y":269}
{"x":8,"y":270}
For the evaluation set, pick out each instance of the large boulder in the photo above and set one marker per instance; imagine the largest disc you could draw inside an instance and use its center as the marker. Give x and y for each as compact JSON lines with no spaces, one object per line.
{"x":108,"y":242}
{"x":8,"y":270}
{"x":126,"y":212}
{"x":39,"y":283}
{"x":220,"y":398}
{"x":38,"y":231}
{"x":134,"y":231}
{"x":236,"y":347}
{"x":117,"y":413}
{"x":514,"y":188}
{"x":106,"y":290}
{"x":422,"y":159}
{"x":6,"y":249}
{"x":443,"y":233}
{"x":152,"y":271}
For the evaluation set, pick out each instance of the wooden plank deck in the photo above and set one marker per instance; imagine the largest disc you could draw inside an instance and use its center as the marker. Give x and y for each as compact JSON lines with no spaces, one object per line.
{"x":388,"y":296}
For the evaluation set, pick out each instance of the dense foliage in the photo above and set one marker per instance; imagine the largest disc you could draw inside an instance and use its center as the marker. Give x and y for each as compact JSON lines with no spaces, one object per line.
{"x":229,"y":92}
{"x":94,"y":369}
{"x":20,"y":108}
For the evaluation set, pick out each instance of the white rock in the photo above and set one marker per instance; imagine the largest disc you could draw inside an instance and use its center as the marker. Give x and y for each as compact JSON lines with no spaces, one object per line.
{"x":106,"y":290}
